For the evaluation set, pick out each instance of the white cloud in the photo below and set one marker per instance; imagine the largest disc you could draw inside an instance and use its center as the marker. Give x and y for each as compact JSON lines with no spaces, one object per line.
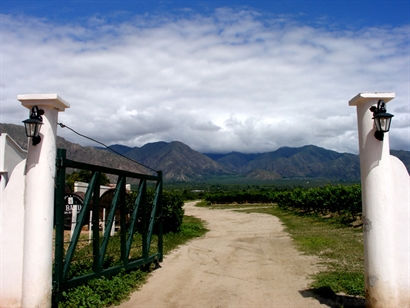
{"x":229,"y":81}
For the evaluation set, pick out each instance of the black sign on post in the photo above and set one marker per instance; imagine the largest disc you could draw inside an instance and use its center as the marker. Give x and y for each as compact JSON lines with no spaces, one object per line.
{"x":71,"y":201}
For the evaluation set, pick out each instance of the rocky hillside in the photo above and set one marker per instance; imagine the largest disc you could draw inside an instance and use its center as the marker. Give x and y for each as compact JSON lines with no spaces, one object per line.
{"x":77,"y":152}
{"x":177,"y":160}
{"x":181,"y":163}
{"x":304,"y":162}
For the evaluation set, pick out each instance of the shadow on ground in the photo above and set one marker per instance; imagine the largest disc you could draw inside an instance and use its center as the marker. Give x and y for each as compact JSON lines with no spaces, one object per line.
{"x":326,"y":296}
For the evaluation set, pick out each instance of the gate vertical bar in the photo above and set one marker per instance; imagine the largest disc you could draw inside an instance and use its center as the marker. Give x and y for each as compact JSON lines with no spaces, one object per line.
{"x":96,"y":225}
{"x":77,"y":231}
{"x":134,"y":217}
{"x":110,"y":218}
{"x":59,"y":226}
{"x":153,"y":216}
{"x":144,"y":234}
{"x":123,"y":231}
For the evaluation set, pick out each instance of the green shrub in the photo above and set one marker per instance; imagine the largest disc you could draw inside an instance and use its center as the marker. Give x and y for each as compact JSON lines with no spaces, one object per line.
{"x":82,"y":296}
{"x":337,"y":200}
{"x":84,"y":176}
{"x":340,"y":201}
{"x":102,"y":291}
{"x":172,"y":212}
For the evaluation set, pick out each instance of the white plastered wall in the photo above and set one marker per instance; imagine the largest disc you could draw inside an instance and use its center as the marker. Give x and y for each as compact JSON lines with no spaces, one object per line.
{"x":386,"y":211}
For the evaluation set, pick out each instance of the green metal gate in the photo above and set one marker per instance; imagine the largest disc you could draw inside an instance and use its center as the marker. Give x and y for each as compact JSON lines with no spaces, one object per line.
{"x":91,"y":253}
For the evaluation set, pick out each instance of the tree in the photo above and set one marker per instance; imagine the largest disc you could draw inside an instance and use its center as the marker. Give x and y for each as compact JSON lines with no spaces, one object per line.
{"x":84,"y":176}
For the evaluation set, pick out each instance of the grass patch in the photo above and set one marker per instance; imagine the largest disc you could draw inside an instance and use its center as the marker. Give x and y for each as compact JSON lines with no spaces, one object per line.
{"x":203,"y":203}
{"x":339,"y":247}
{"x":103,"y":292}
{"x":351,"y":283}
{"x":191,"y":227}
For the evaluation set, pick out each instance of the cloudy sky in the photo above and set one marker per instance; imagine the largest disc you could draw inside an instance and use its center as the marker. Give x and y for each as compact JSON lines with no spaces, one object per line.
{"x":220,"y":76}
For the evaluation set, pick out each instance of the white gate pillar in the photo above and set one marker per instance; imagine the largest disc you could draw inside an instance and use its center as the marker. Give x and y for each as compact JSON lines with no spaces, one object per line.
{"x":39,"y":203}
{"x":386,"y":212}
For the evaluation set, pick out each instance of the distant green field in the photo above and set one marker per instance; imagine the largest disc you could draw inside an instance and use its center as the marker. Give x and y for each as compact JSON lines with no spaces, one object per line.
{"x":239,"y":180}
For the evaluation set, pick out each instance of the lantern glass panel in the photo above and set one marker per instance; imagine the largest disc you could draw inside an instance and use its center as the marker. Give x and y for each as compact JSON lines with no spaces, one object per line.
{"x":32,"y":128}
{"x":37,"y":129}
{"x":383,"y":123}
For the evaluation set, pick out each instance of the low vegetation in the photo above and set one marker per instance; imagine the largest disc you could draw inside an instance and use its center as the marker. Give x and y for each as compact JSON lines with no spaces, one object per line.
{"x":341,"y":202}
{"x":172,"y":209}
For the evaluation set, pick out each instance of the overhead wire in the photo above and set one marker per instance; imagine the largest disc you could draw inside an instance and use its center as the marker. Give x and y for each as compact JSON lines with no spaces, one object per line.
{"x":106,"y":146}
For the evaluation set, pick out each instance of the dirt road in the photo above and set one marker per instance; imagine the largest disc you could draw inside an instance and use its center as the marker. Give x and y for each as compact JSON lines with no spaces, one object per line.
{"x":245,"y":260}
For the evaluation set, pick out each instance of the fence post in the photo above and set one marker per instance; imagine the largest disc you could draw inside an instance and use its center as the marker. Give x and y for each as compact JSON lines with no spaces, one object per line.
{"x":59,"y":223}
{"x":39,"y":203}
{"x":96,"y":225}
{"x":160,"y":220}
{"x":145,"y":223}
{"x":123,"y":228}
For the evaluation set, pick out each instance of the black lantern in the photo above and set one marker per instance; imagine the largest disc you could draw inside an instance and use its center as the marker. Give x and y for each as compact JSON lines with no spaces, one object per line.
{"x":33,"y":124}
{"x":382,"y":119}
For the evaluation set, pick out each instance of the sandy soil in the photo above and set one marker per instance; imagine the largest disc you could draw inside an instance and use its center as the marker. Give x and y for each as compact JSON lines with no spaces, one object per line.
{"x":245,"y":260}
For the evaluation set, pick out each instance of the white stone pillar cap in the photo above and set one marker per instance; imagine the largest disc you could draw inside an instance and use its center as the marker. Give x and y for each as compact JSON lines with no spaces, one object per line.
{"x":46,"y":100}
{"x":368,"y":96}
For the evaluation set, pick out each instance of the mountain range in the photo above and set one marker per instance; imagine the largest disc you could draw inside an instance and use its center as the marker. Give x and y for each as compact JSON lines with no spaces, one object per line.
{"x":181,"y":163}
